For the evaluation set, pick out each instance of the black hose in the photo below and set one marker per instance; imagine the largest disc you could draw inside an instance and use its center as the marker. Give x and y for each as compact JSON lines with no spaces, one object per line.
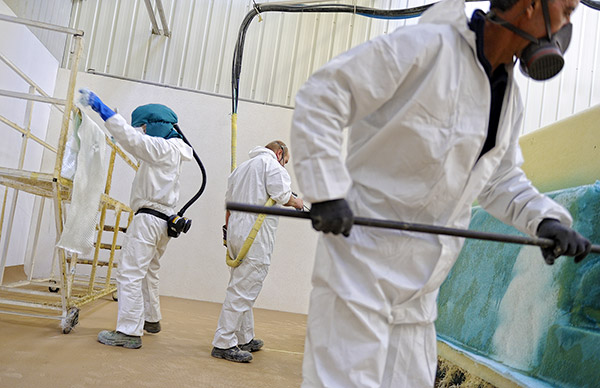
{"x":197,"y":158}
{"x":594,"y":4}
{"x":407,"y":226}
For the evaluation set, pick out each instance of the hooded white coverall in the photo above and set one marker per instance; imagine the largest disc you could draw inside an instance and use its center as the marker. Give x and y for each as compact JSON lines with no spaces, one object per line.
{"x":155,"y":186}
{"x":417,"y":104}
{"x":253,"y":182}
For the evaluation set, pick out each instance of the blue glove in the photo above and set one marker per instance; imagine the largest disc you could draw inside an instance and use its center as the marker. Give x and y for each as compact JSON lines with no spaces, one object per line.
{"x":89,"y":98}
{"x":332,"y":216}
{"x":566,"y":241}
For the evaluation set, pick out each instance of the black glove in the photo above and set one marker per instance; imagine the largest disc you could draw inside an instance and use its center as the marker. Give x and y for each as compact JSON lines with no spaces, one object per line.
{"x":566,"y":241}
{"x":332,"y":216}
{"x":224,"y":235}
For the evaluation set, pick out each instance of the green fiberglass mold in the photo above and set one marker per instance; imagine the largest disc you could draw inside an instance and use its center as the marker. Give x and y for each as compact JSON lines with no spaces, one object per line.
{"x":502,"y":303}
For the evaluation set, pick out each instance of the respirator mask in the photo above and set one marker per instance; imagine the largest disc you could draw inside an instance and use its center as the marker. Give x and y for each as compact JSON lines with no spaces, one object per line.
{"x":543,"y":58}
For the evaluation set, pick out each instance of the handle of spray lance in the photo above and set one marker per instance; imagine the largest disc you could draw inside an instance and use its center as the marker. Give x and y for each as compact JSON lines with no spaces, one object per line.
{"x":304,"y":207}
{"x":408,"y":226}
{"x":177,"y":223}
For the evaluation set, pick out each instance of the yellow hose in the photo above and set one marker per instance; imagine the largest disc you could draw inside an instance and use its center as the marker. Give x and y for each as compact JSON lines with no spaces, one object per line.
{"x":249,"y":240}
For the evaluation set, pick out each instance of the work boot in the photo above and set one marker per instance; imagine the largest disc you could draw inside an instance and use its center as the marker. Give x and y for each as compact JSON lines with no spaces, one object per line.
{"x":252,"y":346}
{"x":116,"y":338}
{"x":232,"y":354}
{"x":152,"y":327}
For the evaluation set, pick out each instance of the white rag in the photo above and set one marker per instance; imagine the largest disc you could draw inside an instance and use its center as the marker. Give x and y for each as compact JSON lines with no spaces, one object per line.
{"x":88,"y":185}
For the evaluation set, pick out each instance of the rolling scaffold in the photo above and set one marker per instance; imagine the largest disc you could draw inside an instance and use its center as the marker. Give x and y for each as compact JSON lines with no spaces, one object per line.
{"x":60,"y":294}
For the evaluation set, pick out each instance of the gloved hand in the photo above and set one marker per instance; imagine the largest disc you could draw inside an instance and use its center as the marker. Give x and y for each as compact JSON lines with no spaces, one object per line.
{"x":225,"y":235}
{"x":298,"y":203}
{"x":89,"y":98}
{"x":566,"y":241}
{"x":332,"y":216}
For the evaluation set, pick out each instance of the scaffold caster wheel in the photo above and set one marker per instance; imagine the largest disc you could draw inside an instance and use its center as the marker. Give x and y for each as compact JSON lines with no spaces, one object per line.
{"x":70,"y":321}
{"x":53,"y":289}
{"x":114,"y":296}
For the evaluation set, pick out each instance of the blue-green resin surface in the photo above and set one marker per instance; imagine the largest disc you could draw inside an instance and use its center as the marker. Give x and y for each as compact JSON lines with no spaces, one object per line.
{"x":502,"y":302}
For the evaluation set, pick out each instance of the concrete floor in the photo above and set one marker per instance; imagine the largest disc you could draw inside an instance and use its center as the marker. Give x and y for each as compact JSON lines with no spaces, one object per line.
{"x":35,"y":353}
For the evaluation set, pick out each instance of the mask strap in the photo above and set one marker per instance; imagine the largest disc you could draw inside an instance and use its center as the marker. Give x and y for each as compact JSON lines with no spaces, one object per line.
{"x":546,"y":13}
{"x":492,"y":17}
{"x":283,"y":147}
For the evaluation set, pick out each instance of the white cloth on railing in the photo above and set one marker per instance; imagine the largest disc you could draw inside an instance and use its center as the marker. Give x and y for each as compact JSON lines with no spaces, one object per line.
{"x":69,"y":162}
{"x":88,"y":185}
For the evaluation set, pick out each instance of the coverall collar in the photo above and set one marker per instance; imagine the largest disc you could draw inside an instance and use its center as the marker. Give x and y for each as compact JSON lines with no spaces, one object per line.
{"x":477,"y":25}
{"x":451,"y":12}
{"x":256,"y":151}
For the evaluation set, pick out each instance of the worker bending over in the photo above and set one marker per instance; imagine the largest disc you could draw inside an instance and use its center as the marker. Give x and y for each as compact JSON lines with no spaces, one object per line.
{"x":434,"y":116}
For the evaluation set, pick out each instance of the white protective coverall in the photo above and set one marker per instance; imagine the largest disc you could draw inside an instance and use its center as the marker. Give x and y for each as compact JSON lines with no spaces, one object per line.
{"x":417,"y":103}
{"x":155,"y":186}
{"x":253,"y":182}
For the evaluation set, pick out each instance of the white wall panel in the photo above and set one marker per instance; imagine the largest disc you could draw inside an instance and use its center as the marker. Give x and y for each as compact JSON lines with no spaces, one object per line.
{"x":108,"y":11}
{"x":215,"y":46}
{"x":120,"y":46}
{"x":158,"y":47}
{"x":282,"y":54}
{"x":137,"y":38}
{"x":361,"y":28}
{"x":266,"y":55}
{"x":175,"y":57}
{"x":322,"y":41}
{"x":255,"y":55}
{"x":595,"y":77}
{"x":303,"y":36}
{"x":87,"y":19}
{"x":199,"y":34}
{"x":586,"y":59}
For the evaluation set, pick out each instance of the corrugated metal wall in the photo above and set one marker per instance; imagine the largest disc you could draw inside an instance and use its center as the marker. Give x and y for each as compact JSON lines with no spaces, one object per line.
{"x":54,"y":12}
{"x":282,"y":50}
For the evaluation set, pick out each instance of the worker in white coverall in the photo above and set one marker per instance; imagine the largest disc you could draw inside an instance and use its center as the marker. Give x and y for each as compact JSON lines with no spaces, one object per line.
{"x":160,"y":151}
{"x":434,"y":116}
{"x":256,"y":180}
